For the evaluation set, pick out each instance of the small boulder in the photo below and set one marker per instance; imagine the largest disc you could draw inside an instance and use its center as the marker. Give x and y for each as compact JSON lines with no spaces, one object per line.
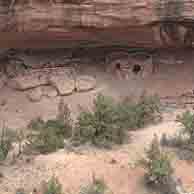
{"x":64,"y":85}
{"x":85,"y":83}
{"x":49,"y":91}
{"x":28,"y":81}
{"x":34,"y":95}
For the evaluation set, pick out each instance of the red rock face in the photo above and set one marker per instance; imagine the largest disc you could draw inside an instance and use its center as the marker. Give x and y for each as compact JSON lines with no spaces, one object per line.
{"x":98,"y":22}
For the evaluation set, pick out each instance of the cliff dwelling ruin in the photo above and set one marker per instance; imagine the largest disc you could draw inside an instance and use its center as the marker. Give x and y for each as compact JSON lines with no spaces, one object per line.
{"x":66,"y":71}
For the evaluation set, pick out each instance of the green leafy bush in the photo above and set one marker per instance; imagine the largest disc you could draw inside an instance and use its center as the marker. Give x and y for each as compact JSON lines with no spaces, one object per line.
{"x":36,"y":124}
{"x":108,"y":122}
{"x":47,"y":140}
{"x":102,"y":125}
{"x":158,"y":165}
{"x":49,"y":136}
{"x":137,"y":115}
{"x":187,"y":121}
{"x":53,"y":187}
{"x":6,"y":138}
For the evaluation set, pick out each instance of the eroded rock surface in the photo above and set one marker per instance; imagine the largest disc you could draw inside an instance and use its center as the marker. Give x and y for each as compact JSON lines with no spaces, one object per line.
{"x":49,"y":91}
{"x":133,"y":23}
{"x":59,"y":72}
{"x":28,"y":81}
{"x":63,"y":82}
{"x":35,"y":94}
{"x":85,"y":83}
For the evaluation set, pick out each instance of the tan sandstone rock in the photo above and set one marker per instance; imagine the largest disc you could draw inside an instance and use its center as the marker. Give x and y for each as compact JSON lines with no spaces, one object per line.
{"x":102,"y":22}
{"x":28,"y":81}
{"x":63,"y":84}
{"x":35,"y":94}
{"x":49,"y":91}
{"x":85,"y":83}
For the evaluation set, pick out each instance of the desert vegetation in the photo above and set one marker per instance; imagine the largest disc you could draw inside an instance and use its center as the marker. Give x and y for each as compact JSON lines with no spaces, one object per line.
{"x":49,"y":136}
{"x":159,"y":170}
{"x":106,"y":124}
{"x":157,"y":164}
{"x":184,"y":138}
{"x":5,"y":144}
{"x":7,"y":138}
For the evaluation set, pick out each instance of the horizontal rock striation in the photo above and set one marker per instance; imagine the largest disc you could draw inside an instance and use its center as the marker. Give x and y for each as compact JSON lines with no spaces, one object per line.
{"x":135,"y":23}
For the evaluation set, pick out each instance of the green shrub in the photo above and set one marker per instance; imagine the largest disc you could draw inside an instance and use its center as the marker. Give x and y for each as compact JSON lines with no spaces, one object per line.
{"x":47,"y":140}
{"x":134,"y":116}
{"x":36,"y":124}
{"x":96,"y":187}
{"x":187,"y":121}
{"x":102,"y":125}
{"x":49,"y":136}
{"x":150,"y":108}
{"x":53,"y":187}
{"x":6,"y":138}
{"x":108,"y":122}
{"x":158,"y":165}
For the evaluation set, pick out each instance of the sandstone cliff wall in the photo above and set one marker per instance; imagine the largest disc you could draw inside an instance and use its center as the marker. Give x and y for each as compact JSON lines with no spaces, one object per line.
{"x":136,"y":23}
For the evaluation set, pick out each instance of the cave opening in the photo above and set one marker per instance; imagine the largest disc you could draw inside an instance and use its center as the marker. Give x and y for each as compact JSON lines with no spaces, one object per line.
{"x":118,"y":66}
{"x":136,"y":69}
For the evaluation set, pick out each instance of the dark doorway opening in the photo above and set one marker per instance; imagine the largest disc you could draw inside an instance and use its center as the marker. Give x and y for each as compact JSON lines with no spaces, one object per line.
{"x":118,"y":66}
{"x":136,"y":69}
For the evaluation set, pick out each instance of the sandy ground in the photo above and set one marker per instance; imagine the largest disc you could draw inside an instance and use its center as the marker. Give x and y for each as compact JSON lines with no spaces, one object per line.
{"x":76,"y":169}
{"x":73,"y":169}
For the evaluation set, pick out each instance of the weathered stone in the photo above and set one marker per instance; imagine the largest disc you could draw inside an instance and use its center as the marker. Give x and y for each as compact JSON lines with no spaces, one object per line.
{"x":28,"y":81}
{"x":64,"y":85}
{"x":85,"y":83}
{"x":3,"y":80}
{"x":102,"y":22}
{"x":35,"y":94}
{"x":49,"y":91}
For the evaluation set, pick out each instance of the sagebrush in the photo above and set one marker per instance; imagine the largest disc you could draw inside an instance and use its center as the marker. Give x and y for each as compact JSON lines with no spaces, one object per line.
{"x":187,"y":122}
{"x":108,"y":122}
{"x":7,"y":136}
{"x":157,"y":164}
{"x":48,"y":136}
{"x":102,"y":125}
{"x":137,"y":115}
